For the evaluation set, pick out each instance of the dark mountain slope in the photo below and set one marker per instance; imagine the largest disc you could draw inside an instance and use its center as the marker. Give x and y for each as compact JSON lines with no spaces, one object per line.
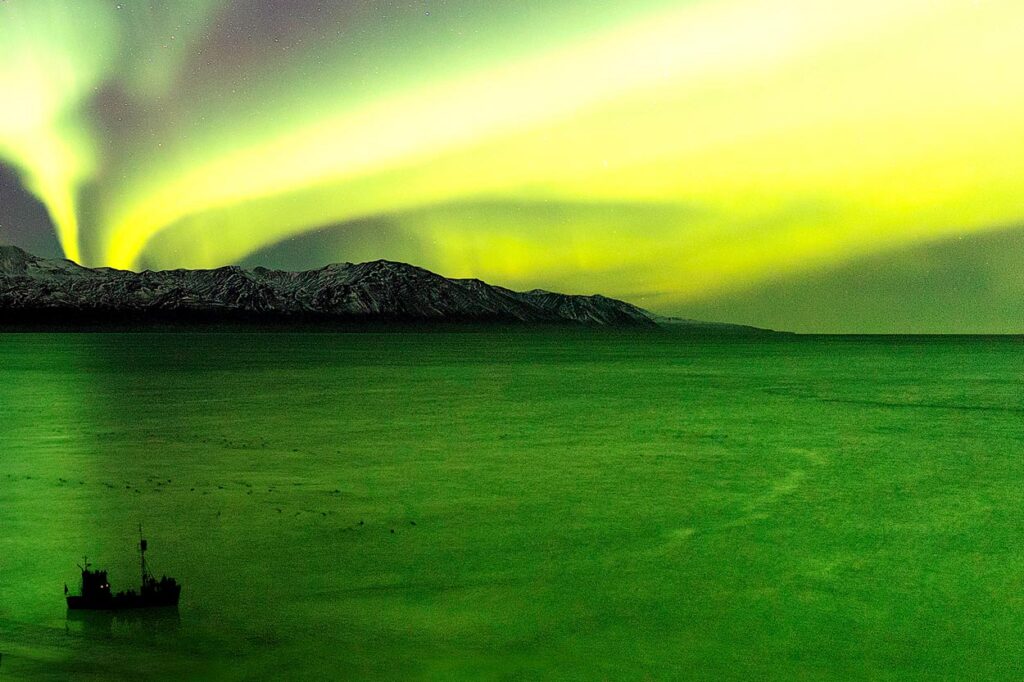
{"x":36,"y":288}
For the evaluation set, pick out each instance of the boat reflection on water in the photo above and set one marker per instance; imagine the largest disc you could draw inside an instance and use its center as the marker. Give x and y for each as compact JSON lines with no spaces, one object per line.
{"x":157,"y":622}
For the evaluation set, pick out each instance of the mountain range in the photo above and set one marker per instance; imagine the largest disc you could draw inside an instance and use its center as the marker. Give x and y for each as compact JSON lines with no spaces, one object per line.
{"x":60,"y":292}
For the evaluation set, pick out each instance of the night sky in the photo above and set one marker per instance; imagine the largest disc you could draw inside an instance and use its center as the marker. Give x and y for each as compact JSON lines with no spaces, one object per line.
{"x":798,"y":164}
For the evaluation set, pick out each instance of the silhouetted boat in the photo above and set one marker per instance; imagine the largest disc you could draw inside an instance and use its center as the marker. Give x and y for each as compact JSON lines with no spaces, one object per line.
{"x":96,"y":594}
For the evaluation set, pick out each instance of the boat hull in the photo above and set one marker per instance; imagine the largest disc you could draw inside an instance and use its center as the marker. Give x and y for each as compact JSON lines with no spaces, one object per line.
{"x":122,"y":602}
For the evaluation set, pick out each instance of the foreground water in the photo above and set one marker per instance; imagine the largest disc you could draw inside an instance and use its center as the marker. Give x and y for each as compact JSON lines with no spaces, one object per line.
{"x":562,"y":506}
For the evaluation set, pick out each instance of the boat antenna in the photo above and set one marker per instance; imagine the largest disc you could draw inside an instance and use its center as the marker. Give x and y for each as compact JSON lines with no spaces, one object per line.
{"x":142,"y":554}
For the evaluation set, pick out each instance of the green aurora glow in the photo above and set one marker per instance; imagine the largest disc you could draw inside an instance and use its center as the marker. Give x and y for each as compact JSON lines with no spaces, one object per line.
{"x":672,"y":153}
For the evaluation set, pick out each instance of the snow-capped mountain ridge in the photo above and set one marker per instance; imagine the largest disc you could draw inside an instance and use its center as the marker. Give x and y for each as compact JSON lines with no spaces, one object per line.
{"x":376,"y":290}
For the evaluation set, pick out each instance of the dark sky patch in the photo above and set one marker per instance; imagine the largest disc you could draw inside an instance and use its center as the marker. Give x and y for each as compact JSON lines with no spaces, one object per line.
{"x":969,"y":284}
{"x":356,"y":241}
{"x":24,"y":221}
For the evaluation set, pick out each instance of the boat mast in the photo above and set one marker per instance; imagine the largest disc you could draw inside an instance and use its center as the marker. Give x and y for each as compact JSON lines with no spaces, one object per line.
{"x":142,"y":554}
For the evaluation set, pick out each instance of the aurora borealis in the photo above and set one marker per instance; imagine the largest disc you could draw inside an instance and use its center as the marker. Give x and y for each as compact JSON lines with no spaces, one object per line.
{"x":676,"y":154}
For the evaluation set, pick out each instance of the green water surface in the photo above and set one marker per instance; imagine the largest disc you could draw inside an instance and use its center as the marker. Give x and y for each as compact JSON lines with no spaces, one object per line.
{"x":563,"y":506}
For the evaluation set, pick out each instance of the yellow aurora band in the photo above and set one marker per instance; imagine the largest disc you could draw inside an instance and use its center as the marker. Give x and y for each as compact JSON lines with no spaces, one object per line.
{"x":661,"y":150}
